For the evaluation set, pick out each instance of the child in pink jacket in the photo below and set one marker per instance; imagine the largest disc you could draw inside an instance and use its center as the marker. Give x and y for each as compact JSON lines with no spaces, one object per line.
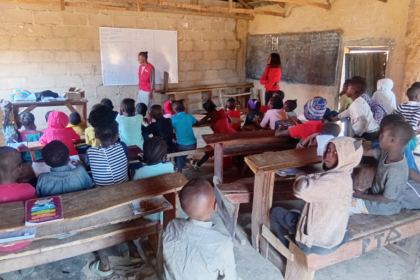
{"x":58,"y":130}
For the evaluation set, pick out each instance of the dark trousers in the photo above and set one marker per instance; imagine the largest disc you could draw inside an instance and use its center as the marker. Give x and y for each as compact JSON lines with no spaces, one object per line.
{"x":285,"y":223}
{"x":268,"y":95}
{"x":182,"y":160}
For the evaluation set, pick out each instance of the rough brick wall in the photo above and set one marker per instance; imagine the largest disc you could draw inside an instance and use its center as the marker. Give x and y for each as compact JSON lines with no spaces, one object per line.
{"x":412,"y":47}
{"x":44,"y":48}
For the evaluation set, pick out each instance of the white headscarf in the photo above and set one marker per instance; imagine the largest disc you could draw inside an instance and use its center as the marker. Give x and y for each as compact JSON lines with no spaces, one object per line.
{"x":385,"y":96}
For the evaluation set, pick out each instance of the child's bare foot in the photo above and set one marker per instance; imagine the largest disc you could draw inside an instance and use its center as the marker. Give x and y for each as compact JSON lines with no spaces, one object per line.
{"x":103,"y":271}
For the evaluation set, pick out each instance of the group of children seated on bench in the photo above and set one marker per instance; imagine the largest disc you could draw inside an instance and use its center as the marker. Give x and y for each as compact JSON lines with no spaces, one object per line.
{"x":192,"y":249}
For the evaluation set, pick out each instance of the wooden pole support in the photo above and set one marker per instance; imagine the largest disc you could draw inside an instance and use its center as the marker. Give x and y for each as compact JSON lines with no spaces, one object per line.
{"x":63,"y":4}
{"x":275,"y":242}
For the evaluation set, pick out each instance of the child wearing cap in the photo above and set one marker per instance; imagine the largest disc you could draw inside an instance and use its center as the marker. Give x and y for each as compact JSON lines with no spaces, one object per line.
{"x":314,"y":111}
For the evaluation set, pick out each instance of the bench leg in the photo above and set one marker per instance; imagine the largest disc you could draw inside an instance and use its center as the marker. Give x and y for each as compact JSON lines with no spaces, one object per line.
{"x":298,"y":269}
{"x":169,"y":215}
{"x":218,"y":161}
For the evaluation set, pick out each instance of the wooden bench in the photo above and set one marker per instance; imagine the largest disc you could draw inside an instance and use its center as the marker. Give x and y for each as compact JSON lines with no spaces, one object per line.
{"x":368,"y":231}
{"x":242,"y":90}
{"x":95,"y":218}
{"x":244,"y":143}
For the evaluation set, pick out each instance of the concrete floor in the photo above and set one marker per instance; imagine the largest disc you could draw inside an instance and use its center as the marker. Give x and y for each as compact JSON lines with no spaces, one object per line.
{"x":377,"y":265}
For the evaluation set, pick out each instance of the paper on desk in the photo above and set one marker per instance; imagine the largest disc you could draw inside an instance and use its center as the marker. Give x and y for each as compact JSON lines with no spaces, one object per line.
{"x":15,"y":145}
{"x":17,"y":235}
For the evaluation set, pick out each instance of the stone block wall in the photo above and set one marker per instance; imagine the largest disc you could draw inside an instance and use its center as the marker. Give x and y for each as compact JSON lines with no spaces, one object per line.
{"x":42,"y":47}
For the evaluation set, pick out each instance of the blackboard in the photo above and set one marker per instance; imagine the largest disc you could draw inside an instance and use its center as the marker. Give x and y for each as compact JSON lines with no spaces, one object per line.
{"x":307,"y":58}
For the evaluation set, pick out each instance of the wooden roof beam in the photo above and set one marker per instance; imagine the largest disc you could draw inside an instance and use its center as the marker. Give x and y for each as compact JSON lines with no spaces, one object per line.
{"x":245,"y":4}
{"x":298,"y":2}
{"x":219,"y":9}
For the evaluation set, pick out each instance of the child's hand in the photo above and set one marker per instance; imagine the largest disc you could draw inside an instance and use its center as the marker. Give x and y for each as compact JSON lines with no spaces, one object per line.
{"x":300,"y":173}
{"x":334,"y":119}
{"x":256,"y":119}
{"x":357,"y":194}
{"x":297,"y":121}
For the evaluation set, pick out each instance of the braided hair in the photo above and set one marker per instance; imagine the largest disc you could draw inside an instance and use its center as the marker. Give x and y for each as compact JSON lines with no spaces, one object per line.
{"x":155,"y":150}
{"x":102,"y":119}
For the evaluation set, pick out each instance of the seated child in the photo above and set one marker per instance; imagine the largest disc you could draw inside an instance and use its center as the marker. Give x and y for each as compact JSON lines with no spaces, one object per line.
{"x":254,"y":107}
{"x":362,"y":121}
{"x":107,"y":102}
{"x":141,"y":109}
{"x":29,"y":134}
{"x":47,"y":114}
{"x":183,"y":123}
{"x":321,"y":227}
{"x":62,"y":178}
{"x":192,"y":249}
{"x":155,"y":158}
{"x":344,"y":100}
{"x":274,"y":113}
{"x":278,"y":93}
{"x":328,"y":132}
{"x":289,"y":106}
{"x":10,"y":191}
{"x":411,"y":109}
{"x":75,"y":122}
{"x":389,"y":184}
{"x":58,"y":130}
{"x":109,"y":161}
{"x":231,"y":111}
{"x":130,"y":124}
{"x":8,"y":128}
{"x":220,"y":124}
{"x":162,"y":127}
{"x":167,"y":107}
{"x":90,"y":131}
{"x":314,"y":111}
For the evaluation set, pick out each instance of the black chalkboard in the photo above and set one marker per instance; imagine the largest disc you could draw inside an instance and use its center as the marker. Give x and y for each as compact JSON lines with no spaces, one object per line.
{"x":307,"y":58}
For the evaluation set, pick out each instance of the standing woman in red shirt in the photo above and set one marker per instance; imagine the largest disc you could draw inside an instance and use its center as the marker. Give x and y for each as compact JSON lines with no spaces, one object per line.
{"x":272,"y":75}
{"x":146,"y":80}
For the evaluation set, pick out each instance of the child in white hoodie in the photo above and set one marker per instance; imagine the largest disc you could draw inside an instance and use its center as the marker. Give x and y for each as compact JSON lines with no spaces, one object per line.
{"x":385,"y":96}
{"x":321,"y":227}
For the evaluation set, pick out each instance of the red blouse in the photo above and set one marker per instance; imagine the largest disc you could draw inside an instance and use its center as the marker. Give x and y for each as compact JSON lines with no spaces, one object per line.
{"x":271,"y":78}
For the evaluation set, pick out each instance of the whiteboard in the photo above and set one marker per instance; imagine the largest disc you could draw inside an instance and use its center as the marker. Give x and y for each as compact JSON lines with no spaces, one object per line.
{"x":119,"y":54}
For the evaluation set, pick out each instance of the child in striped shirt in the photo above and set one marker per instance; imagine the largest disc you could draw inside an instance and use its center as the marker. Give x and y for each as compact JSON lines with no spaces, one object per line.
{"x":109,"y":161}
{"x":411,"y":109}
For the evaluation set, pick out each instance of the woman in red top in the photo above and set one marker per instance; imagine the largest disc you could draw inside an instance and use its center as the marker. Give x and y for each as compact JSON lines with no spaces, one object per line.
{"x":272,"y":75}
{"x":146,"y":80}
{"x":220,"y":124}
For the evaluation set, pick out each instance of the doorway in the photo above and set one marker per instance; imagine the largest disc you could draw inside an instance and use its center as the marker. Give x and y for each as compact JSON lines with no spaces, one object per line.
{"x":367,"y":62}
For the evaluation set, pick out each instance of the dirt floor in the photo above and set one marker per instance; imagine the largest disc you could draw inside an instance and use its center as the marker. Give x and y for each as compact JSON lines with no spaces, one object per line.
{"x":377,"y":265}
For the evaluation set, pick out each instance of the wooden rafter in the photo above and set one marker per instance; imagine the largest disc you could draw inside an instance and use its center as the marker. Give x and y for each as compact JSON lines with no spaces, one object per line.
{"x":298,"y":2}
{"x":161,"y":6}
{"x":282,"y":4}
{"x":245,"y":4}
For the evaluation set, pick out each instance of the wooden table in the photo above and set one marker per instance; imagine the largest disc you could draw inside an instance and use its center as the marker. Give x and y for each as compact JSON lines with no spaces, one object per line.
{"x":174,"y":94}
{"x":95,"y":217}
{"x":244,"y":143}
{"x":79,"y":106}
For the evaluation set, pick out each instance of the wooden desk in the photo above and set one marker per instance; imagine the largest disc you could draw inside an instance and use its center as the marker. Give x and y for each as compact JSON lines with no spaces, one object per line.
{"x":94,"y":216}
{"x":79,"y":106}
{"x":264,"y":166}
{"x":174,"y":94}
{"x":245,"y":142}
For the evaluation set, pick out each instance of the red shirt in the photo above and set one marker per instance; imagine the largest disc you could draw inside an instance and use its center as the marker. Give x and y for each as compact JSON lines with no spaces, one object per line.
{"x":13,"y":193}
{"x":144,"y":77}
{"x":235,"y":114}
{"x":58,"y":130}
{"x":271,"y":78}
{"x":302,"y":131}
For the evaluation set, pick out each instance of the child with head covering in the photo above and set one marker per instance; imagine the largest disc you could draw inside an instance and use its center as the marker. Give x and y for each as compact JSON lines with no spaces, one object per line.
{"x":314,"y":111}
{"x":167,"y":108}
{"x":321,"y":227}
{"x":385,"y":96}
{"x":254,"y":107}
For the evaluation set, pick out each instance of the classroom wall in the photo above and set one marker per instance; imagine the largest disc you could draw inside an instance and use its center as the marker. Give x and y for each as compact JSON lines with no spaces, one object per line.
{"x":412,"y":68}
{"x":44,"y":48}
{"x":362,"y":22}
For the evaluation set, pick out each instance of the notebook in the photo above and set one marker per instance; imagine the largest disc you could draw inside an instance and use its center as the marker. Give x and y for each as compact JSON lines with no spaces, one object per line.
{"x":18,"y":235}
{"x":43,"y":210}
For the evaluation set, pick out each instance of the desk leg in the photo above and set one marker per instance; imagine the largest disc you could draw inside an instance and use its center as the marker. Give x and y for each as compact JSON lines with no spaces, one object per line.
{"x":169,"y":215}
{"x":218,"y":161}
{"x":263,"y":199}
{"x":81,"y":109}
{"x":33,"y":156}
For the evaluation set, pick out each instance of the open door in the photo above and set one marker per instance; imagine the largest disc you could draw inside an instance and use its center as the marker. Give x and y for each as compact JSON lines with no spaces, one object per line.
{"x":369,"y":65}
